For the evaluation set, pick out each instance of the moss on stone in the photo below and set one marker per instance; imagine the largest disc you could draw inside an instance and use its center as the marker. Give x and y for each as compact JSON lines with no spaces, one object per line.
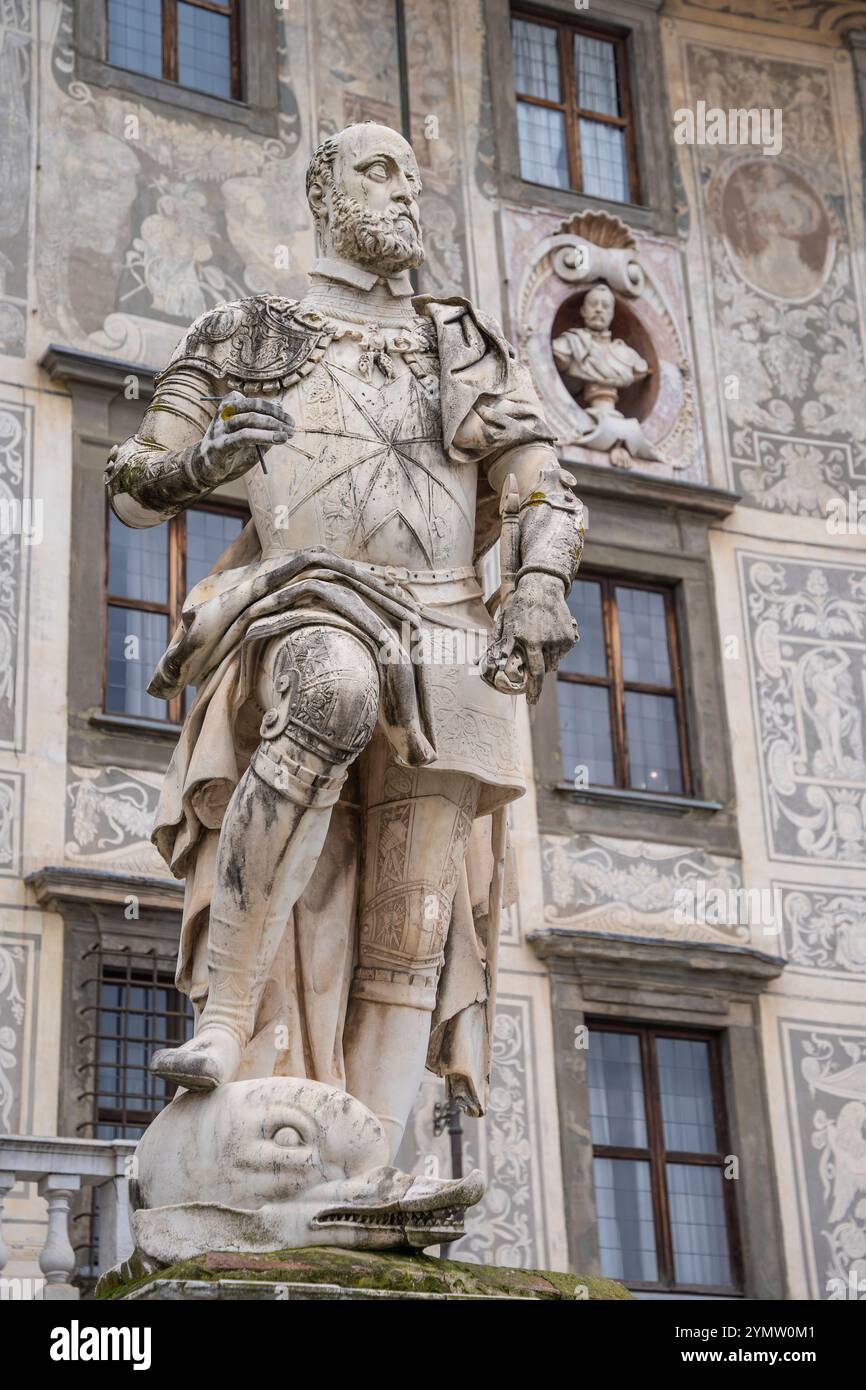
{"x":360,"y":1269}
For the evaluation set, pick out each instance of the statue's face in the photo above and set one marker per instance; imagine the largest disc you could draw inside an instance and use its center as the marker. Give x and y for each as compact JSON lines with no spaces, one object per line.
{"x":597,"y":309}
{"x":370,"y":214}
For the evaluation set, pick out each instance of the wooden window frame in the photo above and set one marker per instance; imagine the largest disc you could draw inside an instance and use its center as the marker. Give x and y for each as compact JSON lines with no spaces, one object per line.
{"x":617,"y":686}
{"x":177,"y":591}
{"x":573,"y":113}
{"x":230,"y":9}
{"x":658,"y":1156}
{"x":160,"y":976}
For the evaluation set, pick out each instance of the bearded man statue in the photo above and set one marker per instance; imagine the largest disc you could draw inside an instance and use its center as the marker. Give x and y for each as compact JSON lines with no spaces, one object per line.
{"x":336,"y":801}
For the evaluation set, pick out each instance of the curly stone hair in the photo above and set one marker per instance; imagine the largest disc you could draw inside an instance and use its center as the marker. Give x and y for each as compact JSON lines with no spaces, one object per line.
{"x":321,"y":167}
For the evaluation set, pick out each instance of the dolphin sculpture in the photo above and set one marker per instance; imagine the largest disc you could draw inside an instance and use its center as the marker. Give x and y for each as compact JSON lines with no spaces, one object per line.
{"x":278,"y":1163}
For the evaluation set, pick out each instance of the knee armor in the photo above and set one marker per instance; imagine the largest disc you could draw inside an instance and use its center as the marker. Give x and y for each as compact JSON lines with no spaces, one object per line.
{"x":325,"y":687}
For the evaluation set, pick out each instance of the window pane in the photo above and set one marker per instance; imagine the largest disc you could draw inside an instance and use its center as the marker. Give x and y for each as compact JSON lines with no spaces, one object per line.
{"x":626,"y":1233}
{"x":587,"y":657}
{"x":603,"y":156}
{"x":137,"y":562}
{"x":584,"y":728}
{"x":536,"y":60}
{"x":595,"y":75}
{"x":653,"y":742}
{"x":698,"y":1228}
{"x":687,"y":1095}
{"x":131,"y":664}
{"x":616,"y":1103}
{"x":541,"y":136}
{"x":204,"y":50}
{"x":207,"y":536}
{"x":134,"y":1020}
{"x":135,"y":35}
{"x":643,"y":633}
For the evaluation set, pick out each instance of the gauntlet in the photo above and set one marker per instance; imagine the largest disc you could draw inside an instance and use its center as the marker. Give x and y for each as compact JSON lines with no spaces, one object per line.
{"x":540,"y":549}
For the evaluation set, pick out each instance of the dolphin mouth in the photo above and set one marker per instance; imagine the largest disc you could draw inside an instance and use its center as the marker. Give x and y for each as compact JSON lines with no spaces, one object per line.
{"x":418,"y":1228}
{"x":430,"y":1212}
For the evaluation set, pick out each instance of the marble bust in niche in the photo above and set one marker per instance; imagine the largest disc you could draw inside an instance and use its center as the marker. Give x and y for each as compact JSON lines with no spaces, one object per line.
{"x":598,"y":369}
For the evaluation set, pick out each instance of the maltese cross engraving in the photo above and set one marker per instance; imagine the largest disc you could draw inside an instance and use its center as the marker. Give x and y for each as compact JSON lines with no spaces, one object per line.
{"x":367,"y":462}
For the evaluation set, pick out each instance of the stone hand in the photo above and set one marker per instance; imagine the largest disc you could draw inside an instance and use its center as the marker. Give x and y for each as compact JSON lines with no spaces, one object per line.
{"x":241,"y":426}
{"x":533,"y":632}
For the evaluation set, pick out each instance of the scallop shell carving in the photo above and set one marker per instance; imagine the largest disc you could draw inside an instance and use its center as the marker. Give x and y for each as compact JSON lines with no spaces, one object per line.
{"x":601,"y":228}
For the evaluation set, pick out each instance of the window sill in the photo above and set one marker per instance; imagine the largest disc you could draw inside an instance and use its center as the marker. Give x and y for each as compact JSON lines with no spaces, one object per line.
{"x":567,"y":202}
{"x":653,"y":801}
{"x":128,"y":724}
{"x":264,"y":120}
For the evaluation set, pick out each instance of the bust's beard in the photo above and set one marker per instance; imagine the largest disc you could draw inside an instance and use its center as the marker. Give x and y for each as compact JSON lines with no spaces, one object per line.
{"x":383,"y":241}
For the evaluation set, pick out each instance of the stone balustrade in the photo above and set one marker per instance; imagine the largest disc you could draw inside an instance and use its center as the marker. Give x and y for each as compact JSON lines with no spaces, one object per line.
{"x":60,"y":1168}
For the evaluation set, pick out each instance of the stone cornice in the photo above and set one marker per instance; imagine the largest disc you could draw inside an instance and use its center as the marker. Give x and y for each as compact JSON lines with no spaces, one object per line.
{"x":58,"y":885}
{"x":75,"y":368}
{"x":634,"y":486}
{"x":647,"y":963}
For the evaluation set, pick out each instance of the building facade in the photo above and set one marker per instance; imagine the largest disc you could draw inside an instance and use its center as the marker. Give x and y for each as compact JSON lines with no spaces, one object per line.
{"x":679,"y":1088}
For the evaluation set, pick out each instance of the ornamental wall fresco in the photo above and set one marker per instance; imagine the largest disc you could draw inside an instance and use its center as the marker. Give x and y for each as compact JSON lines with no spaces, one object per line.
{"x":109,"y":819}
{"x":16,"y":534}
{"x":147,"y":216}
{"x":16,"y":109}
{"x":825,"y":1072}
{"x":824,"y":929}
{"x":776,"y":237}
{"x":807,"y":650}
{"x":819,"y":16}
{"x":604,"y":884}
{"x":19,"y":960}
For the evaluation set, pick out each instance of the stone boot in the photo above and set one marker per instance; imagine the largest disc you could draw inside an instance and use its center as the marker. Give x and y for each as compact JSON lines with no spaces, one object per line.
{"x":207,"y":1060}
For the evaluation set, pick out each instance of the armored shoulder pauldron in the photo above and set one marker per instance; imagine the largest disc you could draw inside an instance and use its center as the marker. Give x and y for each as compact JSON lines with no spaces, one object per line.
{"x":257,"y":345}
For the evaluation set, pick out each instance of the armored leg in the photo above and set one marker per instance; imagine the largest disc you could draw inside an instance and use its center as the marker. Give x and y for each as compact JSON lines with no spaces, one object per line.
{"x":321,"y":689}
{"x":417,"y":828}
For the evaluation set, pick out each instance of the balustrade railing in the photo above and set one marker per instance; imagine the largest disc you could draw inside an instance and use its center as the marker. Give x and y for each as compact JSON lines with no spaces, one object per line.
{"x":61,"y":1168}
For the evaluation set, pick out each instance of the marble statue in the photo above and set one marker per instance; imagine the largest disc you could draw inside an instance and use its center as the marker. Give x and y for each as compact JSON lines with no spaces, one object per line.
{"x":603,"y":367}
{"x":336,"y":801}
{"x":284,"y":1164}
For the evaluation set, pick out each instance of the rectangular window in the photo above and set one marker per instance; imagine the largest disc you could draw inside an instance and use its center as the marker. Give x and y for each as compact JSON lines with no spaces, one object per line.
{"x":194,"y":43}
{"x":574,"y":120}
{"x":132,"y":1008}
{"x":620,"y":690}
{"x":666,"y":1214}
{"x":150,"y":572}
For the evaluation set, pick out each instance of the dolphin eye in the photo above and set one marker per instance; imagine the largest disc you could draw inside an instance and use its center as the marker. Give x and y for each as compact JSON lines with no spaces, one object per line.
{"x":288,"y":1137}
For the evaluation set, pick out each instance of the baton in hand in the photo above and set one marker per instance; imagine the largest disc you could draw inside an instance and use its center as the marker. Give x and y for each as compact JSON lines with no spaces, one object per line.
{"x":225,"y":415}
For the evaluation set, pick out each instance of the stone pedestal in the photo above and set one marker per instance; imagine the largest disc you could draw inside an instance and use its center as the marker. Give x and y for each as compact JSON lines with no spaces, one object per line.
{"x":328,"y":1273}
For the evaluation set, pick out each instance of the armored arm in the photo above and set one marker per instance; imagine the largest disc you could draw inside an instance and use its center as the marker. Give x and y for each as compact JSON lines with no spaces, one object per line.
{"x":551,"y":522}
{"x":162,"y":468}
{"x":187,"y":445}
{"x":542,"y":540}
{"x":185,"y":448}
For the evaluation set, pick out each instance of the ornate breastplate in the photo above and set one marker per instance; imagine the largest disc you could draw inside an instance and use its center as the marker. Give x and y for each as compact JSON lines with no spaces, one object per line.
{"x":365,"y":473}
